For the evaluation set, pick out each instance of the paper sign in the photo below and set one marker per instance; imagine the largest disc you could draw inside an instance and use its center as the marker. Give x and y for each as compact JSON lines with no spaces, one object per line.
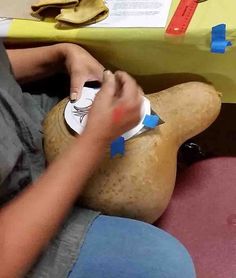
{"x":136,"y":13}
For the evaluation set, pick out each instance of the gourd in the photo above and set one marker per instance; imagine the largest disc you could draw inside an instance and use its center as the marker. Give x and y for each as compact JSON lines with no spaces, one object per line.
{"x":139,"y":185}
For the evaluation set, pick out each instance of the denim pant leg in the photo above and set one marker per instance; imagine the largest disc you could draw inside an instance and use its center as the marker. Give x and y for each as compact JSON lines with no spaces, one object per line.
{"x":123,"y":248}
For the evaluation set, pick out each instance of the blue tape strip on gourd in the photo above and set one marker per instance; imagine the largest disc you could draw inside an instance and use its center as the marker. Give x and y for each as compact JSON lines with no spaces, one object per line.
{"x":118,"y":146}
{"x":151,"y":121}
{"x":218,"y":39}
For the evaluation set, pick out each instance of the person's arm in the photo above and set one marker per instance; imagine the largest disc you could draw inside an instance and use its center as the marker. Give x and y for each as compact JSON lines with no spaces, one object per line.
{"x":29,"y":221}
{"x":31,"y":64}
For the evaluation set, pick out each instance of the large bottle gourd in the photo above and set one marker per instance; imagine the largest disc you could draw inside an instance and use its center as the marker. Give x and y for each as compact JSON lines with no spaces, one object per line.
{"x":139,"y":185}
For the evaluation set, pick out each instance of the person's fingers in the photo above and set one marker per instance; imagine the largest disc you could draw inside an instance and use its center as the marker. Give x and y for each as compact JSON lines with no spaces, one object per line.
{"x":76,"y":84}
{"x":128,"y":86}
{"x":77,"y":81}
{"x":97,"y":73}
{"x":131,"y":92}
{"x":141,"y":91}
{"x":108,"y":88}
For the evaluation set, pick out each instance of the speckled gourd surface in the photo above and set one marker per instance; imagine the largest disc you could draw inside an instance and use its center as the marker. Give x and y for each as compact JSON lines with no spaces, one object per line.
{"x":139,"y":185}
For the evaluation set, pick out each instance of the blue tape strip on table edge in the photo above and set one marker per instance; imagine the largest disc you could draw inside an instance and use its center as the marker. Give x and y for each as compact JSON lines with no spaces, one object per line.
{"x":151,"y":121}
{"x":118,"y":146}
{"x":218,"y":39}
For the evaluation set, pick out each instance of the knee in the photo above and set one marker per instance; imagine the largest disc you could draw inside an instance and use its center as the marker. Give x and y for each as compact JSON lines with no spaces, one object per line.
{"x":127,"y":248}
{"x":169,"y":258}
{"x":152,"y":252}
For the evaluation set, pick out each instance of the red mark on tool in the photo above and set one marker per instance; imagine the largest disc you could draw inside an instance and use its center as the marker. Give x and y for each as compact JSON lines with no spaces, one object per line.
{"x":117,"y":114}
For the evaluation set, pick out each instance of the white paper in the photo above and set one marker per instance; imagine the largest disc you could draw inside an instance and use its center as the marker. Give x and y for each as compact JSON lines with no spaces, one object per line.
{"x":4,"y":26}
{"x":76,"y":114}
{"x":134,"y":13}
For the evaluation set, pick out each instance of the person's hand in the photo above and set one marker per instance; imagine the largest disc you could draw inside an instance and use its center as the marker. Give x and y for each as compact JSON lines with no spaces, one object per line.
{"x":31,"y":64}
{"x":81,"y":66}
{"x":116,"y":108}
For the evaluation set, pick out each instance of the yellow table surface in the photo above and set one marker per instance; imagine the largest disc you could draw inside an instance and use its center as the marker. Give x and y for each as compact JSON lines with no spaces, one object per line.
{"x":155,"y":60}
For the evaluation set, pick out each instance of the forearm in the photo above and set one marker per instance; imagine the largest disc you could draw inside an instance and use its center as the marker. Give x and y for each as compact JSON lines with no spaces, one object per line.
{"x":35,"y":63}
{"x":33,"y":218}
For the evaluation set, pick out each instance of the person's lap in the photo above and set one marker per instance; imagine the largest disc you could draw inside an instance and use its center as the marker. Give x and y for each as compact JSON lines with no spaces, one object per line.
{"x":118,"y":248}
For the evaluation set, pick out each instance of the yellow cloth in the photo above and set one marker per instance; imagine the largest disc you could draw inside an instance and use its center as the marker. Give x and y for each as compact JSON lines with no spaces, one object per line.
{"x":87,"y":11}
{"x":155,"y":60}
{"x":77,"y":12}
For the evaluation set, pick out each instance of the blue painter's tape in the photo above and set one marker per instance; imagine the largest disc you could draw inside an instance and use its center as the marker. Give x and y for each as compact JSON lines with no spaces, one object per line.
{"x":218,"y":32}
{"x":218,"y":39}
{"x":151,"y":121}
{"x":220,"y":46}
{"x":118,"y":146}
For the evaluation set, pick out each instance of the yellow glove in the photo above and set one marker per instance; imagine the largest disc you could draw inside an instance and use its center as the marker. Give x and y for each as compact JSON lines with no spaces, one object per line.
{"x":51,"y":8}
{"x":86,"y":12}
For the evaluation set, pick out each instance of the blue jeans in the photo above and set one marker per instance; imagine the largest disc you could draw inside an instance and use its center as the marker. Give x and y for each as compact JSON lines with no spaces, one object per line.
{"x":123,"y":248}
